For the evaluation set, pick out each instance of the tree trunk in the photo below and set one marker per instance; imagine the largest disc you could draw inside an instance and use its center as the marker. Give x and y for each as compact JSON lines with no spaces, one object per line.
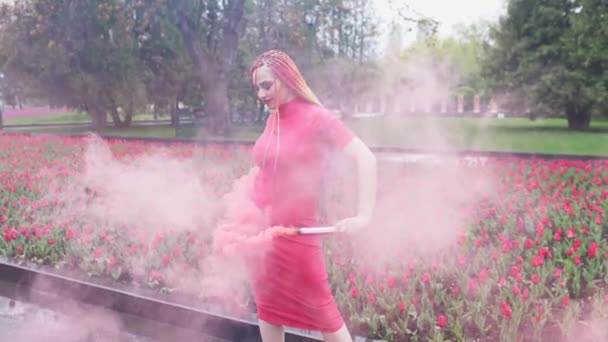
{"x":129,"y":113}
{"x":214,"y":90}
{"x":119,"y":121}
{"x":128,"y":118}
{"x":213,"y":68}
{"x":116,"y":118}
{"x":579,"y":116}
{"x":99,"y":117}
{"x":217,"y":106}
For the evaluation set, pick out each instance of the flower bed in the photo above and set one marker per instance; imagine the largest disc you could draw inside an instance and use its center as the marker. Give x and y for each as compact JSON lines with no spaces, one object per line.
{"x":508,"y":249}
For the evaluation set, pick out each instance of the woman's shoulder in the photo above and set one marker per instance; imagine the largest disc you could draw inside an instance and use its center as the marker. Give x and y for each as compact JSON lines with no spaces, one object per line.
{"x":316,"y":116}
{"x":318,"y":112}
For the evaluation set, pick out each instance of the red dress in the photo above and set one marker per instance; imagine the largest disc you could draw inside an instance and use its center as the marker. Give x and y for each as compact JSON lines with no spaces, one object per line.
{"x":290,"y":283}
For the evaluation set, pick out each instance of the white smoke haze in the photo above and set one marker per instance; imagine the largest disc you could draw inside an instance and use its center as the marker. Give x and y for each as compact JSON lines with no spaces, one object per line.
{"x":151,"y":198}
{"x":154,"y":194}
{"x":150,"y":192}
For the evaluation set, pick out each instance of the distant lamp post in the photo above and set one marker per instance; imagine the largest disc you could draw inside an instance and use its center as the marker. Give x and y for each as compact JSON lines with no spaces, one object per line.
{"x":310,"y":18}
{"x":1,"y":101}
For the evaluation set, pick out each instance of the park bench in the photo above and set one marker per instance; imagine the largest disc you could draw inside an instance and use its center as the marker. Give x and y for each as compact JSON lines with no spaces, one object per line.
{"x":186,"y":121}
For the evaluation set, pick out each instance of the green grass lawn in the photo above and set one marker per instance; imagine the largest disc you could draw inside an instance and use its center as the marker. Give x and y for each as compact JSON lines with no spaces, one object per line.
{"x":154,"y":131}
{"x":68,"y":117}
{"x":512,"y":134}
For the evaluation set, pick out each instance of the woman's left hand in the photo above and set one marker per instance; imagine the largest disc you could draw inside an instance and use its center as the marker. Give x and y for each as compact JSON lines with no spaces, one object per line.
{"x":352,"y":224}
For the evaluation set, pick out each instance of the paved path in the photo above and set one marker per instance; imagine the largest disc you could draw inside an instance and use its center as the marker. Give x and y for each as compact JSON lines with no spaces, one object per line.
{"x":26,"y":322}
{"x":21,"y":322}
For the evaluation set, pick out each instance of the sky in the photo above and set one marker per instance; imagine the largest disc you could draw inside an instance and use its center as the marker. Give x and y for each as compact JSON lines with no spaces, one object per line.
{"x":447,"y":12}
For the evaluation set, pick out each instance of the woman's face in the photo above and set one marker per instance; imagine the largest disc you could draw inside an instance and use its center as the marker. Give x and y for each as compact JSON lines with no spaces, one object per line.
{"x":269,"y":89}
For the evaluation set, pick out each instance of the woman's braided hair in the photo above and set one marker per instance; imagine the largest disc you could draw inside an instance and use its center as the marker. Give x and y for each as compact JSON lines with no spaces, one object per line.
{"x":284,"y":68}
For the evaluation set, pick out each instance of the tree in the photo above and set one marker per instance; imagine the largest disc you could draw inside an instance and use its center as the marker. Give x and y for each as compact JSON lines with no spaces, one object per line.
{"x":345,"y":29}
{"x":342,"y":83}
{"x":433,"y":70}
{"x":585,"y":88}
{"x":325,"y":37}
{"x":167,"y":74}
{"x":118,"y":56}
{"x":210,"y":31}
{"x":545,"y":57}
{"x":464,"y":54}
{"x":91,"y":55}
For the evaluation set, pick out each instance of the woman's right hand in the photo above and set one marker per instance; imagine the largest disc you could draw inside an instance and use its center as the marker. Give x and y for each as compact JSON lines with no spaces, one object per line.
{"x":283,"y":231}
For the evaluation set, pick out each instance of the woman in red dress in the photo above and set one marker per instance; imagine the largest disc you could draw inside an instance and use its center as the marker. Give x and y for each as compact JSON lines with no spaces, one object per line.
{"x":290,"y":282}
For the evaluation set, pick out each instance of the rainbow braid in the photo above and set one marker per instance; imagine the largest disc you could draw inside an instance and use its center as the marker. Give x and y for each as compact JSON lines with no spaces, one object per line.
{"x":284,"y":68}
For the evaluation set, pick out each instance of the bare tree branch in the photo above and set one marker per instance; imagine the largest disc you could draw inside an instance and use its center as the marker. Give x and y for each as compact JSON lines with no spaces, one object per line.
{"x":418,"y":18}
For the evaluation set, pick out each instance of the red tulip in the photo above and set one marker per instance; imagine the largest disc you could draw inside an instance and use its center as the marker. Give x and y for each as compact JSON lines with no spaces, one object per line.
{"x":506,"y":309}
{"x":442,"y":321}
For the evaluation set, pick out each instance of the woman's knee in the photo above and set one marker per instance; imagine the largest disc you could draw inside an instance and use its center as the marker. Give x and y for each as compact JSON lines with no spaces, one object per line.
{"x":271,"y":332}
{"x":341,"y":335}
